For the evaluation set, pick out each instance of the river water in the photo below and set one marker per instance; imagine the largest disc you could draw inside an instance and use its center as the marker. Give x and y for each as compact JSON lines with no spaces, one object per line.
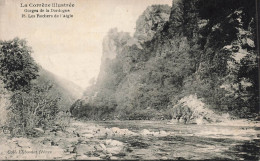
{"x":151,"y":140}
{"x":166,"y":140}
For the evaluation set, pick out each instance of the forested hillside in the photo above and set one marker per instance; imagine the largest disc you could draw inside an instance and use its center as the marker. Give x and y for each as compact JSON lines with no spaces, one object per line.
{"x":30,"y":96}
{"x":200,"y":51}
{"x":68,"y":90}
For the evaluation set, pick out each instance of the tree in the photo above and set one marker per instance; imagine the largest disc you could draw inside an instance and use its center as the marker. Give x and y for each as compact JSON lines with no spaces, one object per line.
{"x":31,"y":103}
{"x":17,"y":68}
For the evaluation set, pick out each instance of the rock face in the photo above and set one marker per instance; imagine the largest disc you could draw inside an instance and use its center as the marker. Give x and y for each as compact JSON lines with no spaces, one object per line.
{"x":190,"y":109}
{"x":113,"y":43}
{"x":151,"y":21}
{"x":192,"y":48}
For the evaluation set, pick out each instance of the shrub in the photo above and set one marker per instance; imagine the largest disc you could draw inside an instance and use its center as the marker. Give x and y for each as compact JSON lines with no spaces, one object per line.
{"x":33,"y":109}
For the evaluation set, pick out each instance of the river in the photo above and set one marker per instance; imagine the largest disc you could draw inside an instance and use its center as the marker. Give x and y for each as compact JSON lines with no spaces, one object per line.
{"x":164,"y":140}
{"x":140,"y":140}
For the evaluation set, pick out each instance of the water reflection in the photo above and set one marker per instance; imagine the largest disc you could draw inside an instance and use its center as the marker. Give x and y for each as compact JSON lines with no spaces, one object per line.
{"x":247,"y":150}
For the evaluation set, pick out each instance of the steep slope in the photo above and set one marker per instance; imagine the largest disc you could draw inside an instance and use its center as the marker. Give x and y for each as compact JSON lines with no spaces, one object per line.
{"x":151,"y":21}
{"x":67,"y":90}
{"x":200,"y":47}
{"x":122,"y":55}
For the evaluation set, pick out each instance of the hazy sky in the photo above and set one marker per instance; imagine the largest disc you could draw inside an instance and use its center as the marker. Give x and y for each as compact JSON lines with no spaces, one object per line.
{"x":71,"y":48}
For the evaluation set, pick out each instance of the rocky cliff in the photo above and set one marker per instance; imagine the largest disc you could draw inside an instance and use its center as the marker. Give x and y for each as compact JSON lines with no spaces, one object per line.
{"x":200,"y":47}
{"x":151,"y":21}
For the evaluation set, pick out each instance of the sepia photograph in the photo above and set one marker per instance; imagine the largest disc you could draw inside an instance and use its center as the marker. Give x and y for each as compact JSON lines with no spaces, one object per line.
{"x":129,"y":80}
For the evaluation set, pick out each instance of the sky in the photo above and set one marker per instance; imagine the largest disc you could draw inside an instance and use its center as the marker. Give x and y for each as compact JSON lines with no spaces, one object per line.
{"x":71,"y":47}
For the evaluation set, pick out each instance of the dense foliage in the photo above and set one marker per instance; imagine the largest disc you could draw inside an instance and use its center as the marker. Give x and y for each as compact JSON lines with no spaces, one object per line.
{"x":204,"y":48}
{"x":31,"y":103}
{"x":33,"y":109}
{"x":16,"y":64}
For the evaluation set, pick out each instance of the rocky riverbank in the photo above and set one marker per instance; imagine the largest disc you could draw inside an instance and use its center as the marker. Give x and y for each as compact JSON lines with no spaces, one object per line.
{"x":79,"y":141}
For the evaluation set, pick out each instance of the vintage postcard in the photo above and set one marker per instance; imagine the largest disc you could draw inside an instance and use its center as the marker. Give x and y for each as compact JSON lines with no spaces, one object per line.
{"x":129,"y":80}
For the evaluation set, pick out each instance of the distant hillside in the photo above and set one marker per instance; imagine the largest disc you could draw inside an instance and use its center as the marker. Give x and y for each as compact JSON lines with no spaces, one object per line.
{"x":68,"y":90}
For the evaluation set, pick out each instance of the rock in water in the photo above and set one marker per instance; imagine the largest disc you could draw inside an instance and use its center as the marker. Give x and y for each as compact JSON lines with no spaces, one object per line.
{"x":40,"y":130}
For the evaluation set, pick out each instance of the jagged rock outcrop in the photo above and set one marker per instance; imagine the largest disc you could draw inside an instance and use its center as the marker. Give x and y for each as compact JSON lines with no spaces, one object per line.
{"x":113,"y":44}
{"x":151,"y":21}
